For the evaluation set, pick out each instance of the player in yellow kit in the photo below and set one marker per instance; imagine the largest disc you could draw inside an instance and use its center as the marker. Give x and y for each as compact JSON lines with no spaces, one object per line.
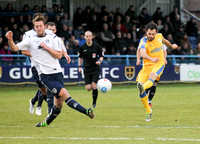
{"x":151,"y":51}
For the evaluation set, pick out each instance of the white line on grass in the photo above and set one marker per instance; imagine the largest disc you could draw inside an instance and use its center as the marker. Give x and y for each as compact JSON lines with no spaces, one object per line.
{"x":137,"y":126}
{"x":105,"y":138}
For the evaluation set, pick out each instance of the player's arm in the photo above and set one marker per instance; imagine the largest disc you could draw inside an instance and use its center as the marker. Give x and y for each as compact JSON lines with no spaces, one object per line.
{"x":144,"y":55}
{"x":80,"y":61}
{"x":138,"y":57}
{"x":54,"y":53}
{"x":166,"y":42}
{"x":26,"y":53}
{"x":12,"y":45}
{"x":165,"y":56}
{"x":64,"y":53}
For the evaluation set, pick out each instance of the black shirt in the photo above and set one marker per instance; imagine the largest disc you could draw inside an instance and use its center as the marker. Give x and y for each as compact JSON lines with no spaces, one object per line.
{"x":90,"y":55}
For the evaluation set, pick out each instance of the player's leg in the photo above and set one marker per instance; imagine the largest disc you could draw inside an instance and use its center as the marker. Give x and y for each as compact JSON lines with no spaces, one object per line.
{"x":152,"y":92}
{"x":50,"y":101}
{"x":39,"y":105}
{"x":95,"y":78}
{"x":142,"y":78}
{"x":33,"y":101}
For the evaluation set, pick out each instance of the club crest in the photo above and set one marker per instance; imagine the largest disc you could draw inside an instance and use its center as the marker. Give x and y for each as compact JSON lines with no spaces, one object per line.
{"x":177,"y":69}
{"x":129,"y":72}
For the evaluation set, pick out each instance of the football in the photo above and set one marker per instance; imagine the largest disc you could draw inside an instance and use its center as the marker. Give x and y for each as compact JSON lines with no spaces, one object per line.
{"x":104,"y":85}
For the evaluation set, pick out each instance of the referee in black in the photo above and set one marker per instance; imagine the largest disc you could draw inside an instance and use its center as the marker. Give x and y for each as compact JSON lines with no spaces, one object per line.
{"x":91,"y":55}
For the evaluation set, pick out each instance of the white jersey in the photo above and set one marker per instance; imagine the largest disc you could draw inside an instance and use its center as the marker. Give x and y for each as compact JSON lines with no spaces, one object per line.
{"x":32,"y":33}
{"x":43,"y":61}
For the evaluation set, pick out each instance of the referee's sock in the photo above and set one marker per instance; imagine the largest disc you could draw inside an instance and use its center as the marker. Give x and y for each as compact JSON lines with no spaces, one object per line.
{"x":54,"y":113}
{"x":75,"y":105}
{"x":94,"y":95}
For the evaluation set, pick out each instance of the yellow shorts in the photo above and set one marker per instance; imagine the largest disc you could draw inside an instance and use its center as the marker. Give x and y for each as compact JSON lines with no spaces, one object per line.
{"x":144,"y":73}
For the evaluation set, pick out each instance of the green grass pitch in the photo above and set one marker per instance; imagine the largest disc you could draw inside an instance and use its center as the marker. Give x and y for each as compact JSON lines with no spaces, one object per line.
{"x":119,"y":117}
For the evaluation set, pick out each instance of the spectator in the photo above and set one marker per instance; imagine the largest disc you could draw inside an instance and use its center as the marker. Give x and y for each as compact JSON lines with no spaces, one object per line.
{"x":94,"y":24}
{"x":46,"y":17}
{"x":119,"y":44}
{"x":103,"y":11}
{"x":185,"y":49}
{"x":11,"y":22}
{"x":165,"y":30}
{"x":178,"y":35}
{"x":56,"y":8}
{"x":159,"y":25}
{"x":173,"y":14}
{"x":118,"y":13}
{"x":177,"y":23}
{"x":120,"y":27}
{"x":1,"y":42}
{"x":133,"y":15}
{"x":4,"y":31}
{"x":28,"y":21}
{"x":144,"y":18}
{"x":44,"y":9}
{"x":134,"y":34}
{"x":36,"y":9}
{"x":111,"y":16}
{"x":20,"y":21}
{"x":78,"y":31}
{"x":26,"y":8}
{"x":157,"y":15}
{"x":57,"y":21}
{"x":171,"y":40}
{"x":107,"y":38}
{"x":127,"y":23}
{"x":81,"y":39}
{"x":9,"y":8}
{"x":131,"y":50}
{"x":78,"y":18}
{"x":95,"y":12}
{"x":184,"y":40}
{"x":70,"y":31}
{"x":197,"y":50}
{"x":192,"y":31}
{"x":169,"y":24}
{"x":6,"y":51}
{"x":64,"y":33}
{"x":128,"y":39}
{"x":65,"y":20}
{"x":16,"y":33}
{"x":24,"y":29}
{"x":104,"y":19}
{"x":87,"y":16}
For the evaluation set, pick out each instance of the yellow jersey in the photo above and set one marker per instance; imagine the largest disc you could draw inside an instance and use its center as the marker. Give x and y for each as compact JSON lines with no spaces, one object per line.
{"x":153,"y":48}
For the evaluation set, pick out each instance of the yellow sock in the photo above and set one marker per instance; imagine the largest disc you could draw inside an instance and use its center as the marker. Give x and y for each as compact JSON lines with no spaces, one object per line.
{"x":146,"y":104}
{"x":148,"y":84}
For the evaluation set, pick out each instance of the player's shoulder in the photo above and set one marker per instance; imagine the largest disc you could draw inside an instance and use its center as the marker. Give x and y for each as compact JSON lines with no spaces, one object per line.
{"x":159,"y":35}
{"x":143,"y":39}
{"x":47,"y":31}
{"x":30,"y":32}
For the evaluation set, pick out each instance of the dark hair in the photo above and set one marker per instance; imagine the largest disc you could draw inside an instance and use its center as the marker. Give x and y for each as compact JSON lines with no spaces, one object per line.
{"x":51,"y":24}
{"x":151,"y":26}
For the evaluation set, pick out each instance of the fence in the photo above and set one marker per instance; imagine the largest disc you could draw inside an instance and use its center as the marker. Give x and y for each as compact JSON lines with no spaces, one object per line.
{"x":108,"y":60}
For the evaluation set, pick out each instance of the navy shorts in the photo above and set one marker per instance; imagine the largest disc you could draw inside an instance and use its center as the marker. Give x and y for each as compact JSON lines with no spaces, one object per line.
{"x":53,"y":82}
{"x":92,"y":76}
{"x":36,"y":77}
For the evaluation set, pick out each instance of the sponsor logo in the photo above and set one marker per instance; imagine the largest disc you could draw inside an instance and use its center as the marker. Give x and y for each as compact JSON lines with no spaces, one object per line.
{"x":94,"y":55}
{"x":177,"y":69}
{"x":129,"y":72}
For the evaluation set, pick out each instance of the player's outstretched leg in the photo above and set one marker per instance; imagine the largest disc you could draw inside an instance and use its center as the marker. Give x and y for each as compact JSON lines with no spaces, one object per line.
{"x":55,"y":112}
{"x":33,"y":101}
{"x":75,"y":105}
{"x":94,"y":96}
{"x":50,"y":100}
{"x":148,"y":116}
{"x":151,"y":94}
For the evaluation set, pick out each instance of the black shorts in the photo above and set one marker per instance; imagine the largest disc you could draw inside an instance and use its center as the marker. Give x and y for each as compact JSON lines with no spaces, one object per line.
{"x":53,"y":82}
{"x":91,"y":76}
{"x":36,"y":77}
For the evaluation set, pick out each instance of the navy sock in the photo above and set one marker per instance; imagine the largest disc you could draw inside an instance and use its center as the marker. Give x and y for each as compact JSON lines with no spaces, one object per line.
{"x":40,"y":100}
{"x":54,"y":113}
{"x":35,"y":98}
{"x":94,"y":95}
{"x":152,"y":92}
{"x":75,"y":105}
{"x":50,"y":100}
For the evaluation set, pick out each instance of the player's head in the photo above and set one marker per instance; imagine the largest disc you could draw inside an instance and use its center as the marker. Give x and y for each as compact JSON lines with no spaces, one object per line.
{"x":88,"y":36}
{"x":39,"y":25}
{"x":151,"y":30}
{"x":52,"y":26}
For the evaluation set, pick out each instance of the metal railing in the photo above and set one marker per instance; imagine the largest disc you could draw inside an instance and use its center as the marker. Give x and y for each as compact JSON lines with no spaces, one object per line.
{"x":110,"y":59}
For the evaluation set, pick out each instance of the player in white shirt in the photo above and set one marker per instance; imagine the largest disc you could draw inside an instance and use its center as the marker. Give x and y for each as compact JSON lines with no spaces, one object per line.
{"x":45,"y":52}
{"x":152,"y":90}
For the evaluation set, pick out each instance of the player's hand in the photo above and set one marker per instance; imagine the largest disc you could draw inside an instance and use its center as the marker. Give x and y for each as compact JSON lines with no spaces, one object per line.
{"x":98,"y":63}
{"x":138,"y":62}
{"x":174,"y":46}
{"x":80,"y":69}
{"x":9,"y":35}
{"x":155,"y":60}
{"x":42,"y":44}
{"x":68,"y":58}
{"x":165,"y":61}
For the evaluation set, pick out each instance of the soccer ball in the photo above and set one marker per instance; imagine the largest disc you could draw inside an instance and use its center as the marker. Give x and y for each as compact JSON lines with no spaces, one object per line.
{"x":104,"y":85}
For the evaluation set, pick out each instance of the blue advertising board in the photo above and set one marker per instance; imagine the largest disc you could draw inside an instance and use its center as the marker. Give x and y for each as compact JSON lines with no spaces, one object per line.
{"x":117,"y":74}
